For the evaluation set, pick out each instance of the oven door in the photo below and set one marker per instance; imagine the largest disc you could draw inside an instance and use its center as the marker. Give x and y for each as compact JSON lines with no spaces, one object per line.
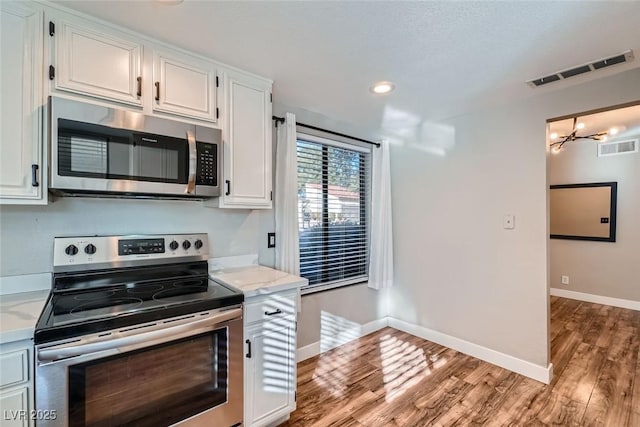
{"x":185,"y":371}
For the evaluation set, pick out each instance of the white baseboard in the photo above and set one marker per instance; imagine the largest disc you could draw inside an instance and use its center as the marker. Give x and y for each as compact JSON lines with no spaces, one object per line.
{"x":314,"y":349}
{"x":598,"y":299}
{"x":523,"y":367}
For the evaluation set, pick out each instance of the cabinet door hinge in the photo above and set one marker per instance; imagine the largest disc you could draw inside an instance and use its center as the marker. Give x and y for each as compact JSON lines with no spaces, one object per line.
{"x":217,"y":82}
{"x":52,"y":72}
{"x":217,"y":113}
{"x":52,"y":28}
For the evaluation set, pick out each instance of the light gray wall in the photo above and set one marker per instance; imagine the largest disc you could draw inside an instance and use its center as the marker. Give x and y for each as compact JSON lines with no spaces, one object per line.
{"x":327,"y":314}
{"x":27,"y":232}
{"x":457,"y":270}
{"x":600,"y":268}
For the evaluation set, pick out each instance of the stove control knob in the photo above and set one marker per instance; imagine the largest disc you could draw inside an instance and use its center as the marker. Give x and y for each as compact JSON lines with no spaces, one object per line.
{"x":186,"y":245}
{"x":90,"y":249}
{"x":71,"y":250}
{"x":173,"y":245}
{"x":197,"y":244}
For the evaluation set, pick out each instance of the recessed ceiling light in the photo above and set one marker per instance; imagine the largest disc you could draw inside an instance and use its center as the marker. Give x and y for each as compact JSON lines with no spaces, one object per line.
{"x":554,"y":135}
{"x":580,"y":126}
{"x":613,"y":131}
{"x":382,"y":87}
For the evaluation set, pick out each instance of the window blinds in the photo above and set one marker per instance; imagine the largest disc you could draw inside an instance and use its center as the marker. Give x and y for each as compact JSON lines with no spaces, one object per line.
{"x":333,"y":211}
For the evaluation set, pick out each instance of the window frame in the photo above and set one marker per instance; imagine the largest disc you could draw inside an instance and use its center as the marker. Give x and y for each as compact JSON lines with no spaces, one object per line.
{"x":365,"y":194}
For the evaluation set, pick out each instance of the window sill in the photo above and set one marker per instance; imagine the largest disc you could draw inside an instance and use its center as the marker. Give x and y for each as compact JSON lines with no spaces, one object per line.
{"x":307,"y":290}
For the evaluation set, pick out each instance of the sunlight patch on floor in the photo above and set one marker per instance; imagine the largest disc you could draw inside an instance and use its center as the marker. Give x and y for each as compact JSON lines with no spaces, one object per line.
{"x":404,"y":365}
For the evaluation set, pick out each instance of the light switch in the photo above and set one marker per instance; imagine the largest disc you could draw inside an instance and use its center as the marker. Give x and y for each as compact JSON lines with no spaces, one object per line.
{"x":509,"y":222}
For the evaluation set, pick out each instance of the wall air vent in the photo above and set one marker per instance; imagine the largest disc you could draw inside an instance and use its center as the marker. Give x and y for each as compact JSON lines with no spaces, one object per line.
{"x":598,"y":64}
{"x":628,"y":146}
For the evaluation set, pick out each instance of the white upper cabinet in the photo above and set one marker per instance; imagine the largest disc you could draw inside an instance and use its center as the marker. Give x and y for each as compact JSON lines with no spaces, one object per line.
{"x":21,"y":166}
{"x":94,"y":61}
{"x":247,"y":145}
{"x":185,"y":86}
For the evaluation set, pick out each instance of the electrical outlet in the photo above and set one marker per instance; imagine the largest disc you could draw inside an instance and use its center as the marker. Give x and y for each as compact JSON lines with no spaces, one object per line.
{"x":271,"y":240}
{"x":565,"y":280}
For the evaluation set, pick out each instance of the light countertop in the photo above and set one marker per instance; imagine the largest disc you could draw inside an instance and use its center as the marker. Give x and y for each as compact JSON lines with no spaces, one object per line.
{"x":19,"y":313}
{"x":256,"y":280}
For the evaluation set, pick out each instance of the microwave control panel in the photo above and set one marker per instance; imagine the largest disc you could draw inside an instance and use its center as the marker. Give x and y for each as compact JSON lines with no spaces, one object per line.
{"x":207,"y":170}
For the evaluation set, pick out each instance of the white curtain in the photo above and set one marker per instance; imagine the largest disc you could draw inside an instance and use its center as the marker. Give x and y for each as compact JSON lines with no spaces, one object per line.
{"x":287,"y":249}
{"x":381,"y":240}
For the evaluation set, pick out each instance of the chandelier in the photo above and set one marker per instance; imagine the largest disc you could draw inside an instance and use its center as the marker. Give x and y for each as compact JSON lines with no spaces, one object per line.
{"x":573,"y":135}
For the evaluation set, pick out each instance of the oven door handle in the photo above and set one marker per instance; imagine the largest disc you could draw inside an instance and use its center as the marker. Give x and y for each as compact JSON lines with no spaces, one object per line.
{"x":140,"y":340}
{"x":193,"y":162}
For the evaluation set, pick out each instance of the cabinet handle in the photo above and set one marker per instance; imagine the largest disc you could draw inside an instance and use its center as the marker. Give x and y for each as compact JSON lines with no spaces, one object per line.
{"x":228,"y":183}
{"x":248,"y":355}
{"x":34,"y":176}
{"x":139,"y":93}
{"x":272,"y":313}
{"x":157,"y":91}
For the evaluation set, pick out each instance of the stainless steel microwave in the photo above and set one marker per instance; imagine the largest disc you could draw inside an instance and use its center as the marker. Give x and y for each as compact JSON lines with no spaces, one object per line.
{"x":97,"y":150}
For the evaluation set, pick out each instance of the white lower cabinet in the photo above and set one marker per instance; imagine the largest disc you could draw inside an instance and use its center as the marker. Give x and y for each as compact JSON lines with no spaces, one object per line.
{"x":16,"y":384}
{"x":270,"y":359}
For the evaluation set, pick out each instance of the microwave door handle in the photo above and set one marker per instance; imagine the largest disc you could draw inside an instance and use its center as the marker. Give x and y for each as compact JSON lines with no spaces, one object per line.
{"x":141,"y":340}
{"x":193,"y":162}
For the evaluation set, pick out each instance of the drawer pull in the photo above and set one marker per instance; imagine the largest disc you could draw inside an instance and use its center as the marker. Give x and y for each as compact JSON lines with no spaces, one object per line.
{"x":272,"y":313}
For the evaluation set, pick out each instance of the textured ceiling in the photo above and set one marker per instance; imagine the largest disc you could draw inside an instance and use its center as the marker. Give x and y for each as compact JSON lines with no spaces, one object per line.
{"x":446,"y":58}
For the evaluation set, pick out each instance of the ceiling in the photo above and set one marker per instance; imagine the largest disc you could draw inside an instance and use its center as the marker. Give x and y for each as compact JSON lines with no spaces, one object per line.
{"x":446,"y":58}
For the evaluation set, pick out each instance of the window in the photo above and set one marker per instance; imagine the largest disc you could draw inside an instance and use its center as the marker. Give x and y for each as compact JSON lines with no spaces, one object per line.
{"x":333,"y":203}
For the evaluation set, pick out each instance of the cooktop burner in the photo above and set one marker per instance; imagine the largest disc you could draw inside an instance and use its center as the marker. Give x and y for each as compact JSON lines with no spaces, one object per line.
{"x":130,"y":292}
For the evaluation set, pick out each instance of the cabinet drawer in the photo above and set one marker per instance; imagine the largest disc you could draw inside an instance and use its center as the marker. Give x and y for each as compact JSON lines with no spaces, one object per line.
{"x":273,"y":307}
{"x":14,"y":368}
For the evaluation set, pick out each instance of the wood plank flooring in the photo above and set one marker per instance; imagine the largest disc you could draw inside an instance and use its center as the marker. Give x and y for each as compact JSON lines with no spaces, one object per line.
{"x":390,"y":378}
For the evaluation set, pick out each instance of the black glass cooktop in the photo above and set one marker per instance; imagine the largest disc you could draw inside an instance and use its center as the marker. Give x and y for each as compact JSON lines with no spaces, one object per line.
{"x":89,"y":302}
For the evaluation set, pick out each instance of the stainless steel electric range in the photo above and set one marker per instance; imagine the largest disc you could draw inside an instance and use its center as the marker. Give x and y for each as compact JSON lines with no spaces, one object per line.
{"x":135,"y":334}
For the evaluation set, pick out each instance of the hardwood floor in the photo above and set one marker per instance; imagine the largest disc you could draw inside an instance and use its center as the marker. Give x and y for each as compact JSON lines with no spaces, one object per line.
{"x":390,"y":378}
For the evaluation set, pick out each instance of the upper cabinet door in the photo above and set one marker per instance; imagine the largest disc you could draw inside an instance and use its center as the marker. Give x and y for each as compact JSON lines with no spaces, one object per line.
{"x":21,"y":167}
{"x":247,"y":148}
{"x":185,"y":86}
{"x":95,"y":62}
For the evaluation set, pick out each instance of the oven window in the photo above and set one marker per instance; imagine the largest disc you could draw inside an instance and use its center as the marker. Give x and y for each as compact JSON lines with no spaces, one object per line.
{"x":156,"y":386}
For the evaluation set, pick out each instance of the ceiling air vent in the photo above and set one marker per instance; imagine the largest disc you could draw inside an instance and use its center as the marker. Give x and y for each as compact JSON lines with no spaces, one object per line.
{"x":599,"y":64}
{"x":628,"y":146}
